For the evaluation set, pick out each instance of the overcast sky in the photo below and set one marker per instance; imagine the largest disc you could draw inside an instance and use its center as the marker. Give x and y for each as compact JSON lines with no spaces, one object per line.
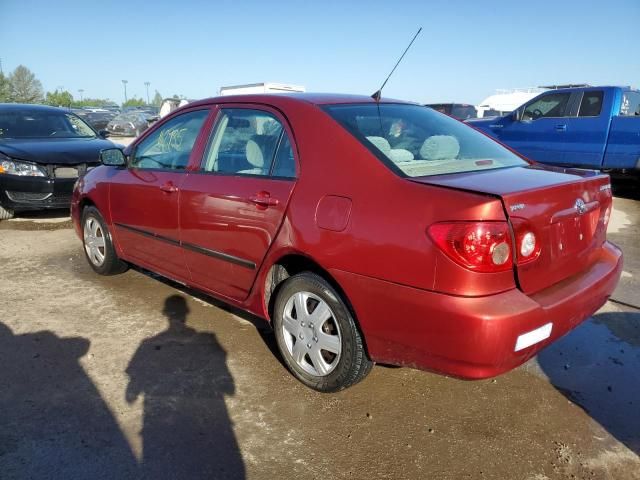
{"x":467,"y":48}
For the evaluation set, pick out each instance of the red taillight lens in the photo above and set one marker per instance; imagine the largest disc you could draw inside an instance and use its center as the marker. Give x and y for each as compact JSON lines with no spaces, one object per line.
{"x":478,"y":246}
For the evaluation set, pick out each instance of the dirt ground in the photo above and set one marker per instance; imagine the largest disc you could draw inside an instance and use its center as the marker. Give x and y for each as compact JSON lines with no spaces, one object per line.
{"x":133,"y":376}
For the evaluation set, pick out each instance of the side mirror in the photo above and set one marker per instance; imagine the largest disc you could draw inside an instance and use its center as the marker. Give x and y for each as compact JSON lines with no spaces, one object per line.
{"x":515,"y":115}
{"x":104,"y":133}
{"x":113,"y":157}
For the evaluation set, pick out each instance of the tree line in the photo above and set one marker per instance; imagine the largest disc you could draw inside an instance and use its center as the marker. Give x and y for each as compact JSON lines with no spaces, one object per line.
{"x":22,"y":86}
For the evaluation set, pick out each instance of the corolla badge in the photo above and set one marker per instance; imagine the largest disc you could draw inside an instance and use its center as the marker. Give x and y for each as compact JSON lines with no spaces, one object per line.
{"x":581,"y":207}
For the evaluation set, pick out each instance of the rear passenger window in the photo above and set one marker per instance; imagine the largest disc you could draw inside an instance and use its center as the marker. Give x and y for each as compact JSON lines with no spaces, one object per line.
{"x":591,"y":104}
{"x":551,"y":105}
{"x":630,"y":104}
{"x":248,"y":142}
{"x":285,"y":165}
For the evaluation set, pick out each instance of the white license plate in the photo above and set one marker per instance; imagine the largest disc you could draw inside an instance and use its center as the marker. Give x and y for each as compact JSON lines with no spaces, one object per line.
{"x":64,"y":172}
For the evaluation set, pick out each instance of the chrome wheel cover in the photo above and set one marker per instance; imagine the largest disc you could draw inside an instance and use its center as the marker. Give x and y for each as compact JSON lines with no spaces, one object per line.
{"x":311,"y":334}
{"x":94,"y":242}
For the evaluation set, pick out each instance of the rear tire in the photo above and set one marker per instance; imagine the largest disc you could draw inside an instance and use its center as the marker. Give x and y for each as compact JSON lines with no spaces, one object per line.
{"x":5,"y":213}
{"x":98,"y":245}
{"x":317,"y":335}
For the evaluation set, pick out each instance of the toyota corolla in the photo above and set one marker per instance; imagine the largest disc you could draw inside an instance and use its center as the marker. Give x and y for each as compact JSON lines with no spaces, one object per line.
{"x":364,"y":231}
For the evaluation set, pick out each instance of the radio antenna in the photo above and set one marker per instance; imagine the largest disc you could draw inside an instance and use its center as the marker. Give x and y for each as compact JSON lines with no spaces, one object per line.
{"x":376,"y":96}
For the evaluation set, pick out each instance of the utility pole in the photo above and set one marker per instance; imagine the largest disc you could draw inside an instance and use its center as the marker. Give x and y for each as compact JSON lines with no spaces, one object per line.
{"x":81,"y":91}
{"x":1,"y":72}
{"x":124,"y":82}
{"x":146,"y":84}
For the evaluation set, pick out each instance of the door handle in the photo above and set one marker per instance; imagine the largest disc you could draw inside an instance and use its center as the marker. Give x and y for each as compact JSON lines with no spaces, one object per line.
{"x":561,"y":128}
{"x":263,"y":199}
{"x":169,"y":187}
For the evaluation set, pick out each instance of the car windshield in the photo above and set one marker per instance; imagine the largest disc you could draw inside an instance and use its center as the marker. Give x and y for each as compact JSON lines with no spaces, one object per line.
{"x":463,"y":112}
{"x":417,"y":141}
{"x":43,"y":124}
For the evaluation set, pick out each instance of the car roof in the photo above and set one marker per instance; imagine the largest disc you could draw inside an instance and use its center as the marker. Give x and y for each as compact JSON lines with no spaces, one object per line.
{"x":295,"y":97}
{"x":587,"y":88}
{"x":17,"y":107}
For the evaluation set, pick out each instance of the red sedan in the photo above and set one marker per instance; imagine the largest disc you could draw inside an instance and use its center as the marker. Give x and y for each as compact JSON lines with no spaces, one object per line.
{"x":363,"y":231}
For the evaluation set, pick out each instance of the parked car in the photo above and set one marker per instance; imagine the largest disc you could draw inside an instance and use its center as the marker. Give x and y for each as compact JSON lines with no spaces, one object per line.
{"x":363,"y":231}
{"x":461,"y":111}
{"x":586,"y":127}
{"x":43,"y":150}
{"x":98,"y":118}
{"x":128,"y":124}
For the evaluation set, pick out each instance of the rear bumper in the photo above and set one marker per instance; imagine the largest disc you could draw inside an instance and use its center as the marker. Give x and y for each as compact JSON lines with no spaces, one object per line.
{"x":474,"y":337}
{"x":35,"y":193}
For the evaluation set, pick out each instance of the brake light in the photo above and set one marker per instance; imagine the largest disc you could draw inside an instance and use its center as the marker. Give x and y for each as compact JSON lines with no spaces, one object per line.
{"x":528,"y":245}
{"x":479,"y":246}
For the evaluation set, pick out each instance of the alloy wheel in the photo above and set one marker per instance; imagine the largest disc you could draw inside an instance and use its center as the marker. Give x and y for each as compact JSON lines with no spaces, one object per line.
{"x":311,"y":334}
{"x":94,"y":241}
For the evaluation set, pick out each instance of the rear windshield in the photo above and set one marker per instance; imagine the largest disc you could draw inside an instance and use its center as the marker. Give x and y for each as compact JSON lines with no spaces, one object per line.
{"x":416,"y":141}
{"x":463,"y":112}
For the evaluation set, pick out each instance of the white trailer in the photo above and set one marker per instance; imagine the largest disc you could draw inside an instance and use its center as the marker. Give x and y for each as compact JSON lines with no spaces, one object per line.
{"x":506,"y":100}
{"x":266,"y":87}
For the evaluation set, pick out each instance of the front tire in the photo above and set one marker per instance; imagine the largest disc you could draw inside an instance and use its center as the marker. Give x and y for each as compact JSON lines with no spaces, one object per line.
{"x":98,"y":245}
{"x":5,"y":213}
{"x":317,"y":335}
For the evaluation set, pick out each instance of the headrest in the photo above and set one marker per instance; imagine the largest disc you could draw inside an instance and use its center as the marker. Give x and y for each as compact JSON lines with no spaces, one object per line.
{"x":399,"y":155}
{"x":259,"y":146}
{"x":254,"y":154}
{"x":381,"y":143}
{"x":440,"y":147}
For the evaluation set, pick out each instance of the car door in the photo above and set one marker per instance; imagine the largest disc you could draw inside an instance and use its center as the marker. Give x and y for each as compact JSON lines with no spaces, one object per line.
{"x":144,"y":197}
{"x":232,"y":208}
{"x":623,"y":146}
{"x":538,"y":133}
{"x":587,"y":129}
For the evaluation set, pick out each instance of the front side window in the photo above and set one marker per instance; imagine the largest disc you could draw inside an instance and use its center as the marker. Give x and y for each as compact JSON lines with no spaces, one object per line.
{"x":415,"y":141}
{"x":591,"y":104}
{"x":630,"y":104}
{"x":551,"y":105}
{"x":169,"y":147}
{"x":245,"y":142}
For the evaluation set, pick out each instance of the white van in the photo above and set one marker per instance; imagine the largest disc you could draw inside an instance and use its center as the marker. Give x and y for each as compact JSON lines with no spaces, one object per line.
{"x":266,"y":87}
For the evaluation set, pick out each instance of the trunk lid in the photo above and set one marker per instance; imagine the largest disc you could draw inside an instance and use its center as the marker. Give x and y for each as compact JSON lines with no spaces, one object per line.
{"x":566,"y":209}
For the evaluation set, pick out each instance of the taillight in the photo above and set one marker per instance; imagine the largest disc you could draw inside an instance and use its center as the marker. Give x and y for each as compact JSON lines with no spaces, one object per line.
{"x":478,"y":246}
{"x":528,"y":245}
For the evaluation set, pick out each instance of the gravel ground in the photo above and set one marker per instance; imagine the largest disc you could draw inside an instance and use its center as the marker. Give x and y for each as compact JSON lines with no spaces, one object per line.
{"x":133,"y":376}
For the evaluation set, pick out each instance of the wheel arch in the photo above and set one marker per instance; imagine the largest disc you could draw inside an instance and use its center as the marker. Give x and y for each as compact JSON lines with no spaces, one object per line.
{"x":85,"y":202}
{"x":292,"y":263}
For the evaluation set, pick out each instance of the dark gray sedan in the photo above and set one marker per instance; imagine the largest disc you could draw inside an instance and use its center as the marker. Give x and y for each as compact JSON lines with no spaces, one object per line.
{"x":129,"y":124}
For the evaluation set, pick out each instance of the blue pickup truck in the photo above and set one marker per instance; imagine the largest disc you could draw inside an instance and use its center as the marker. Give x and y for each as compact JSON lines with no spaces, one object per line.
{"x":586,"y":127}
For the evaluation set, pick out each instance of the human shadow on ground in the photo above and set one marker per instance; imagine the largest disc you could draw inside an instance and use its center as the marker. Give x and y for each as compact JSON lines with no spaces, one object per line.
{"x":597,"y":366}
{"x":263,"y":327}
{"x":53,"y":421}
{"x":183,"y":376}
